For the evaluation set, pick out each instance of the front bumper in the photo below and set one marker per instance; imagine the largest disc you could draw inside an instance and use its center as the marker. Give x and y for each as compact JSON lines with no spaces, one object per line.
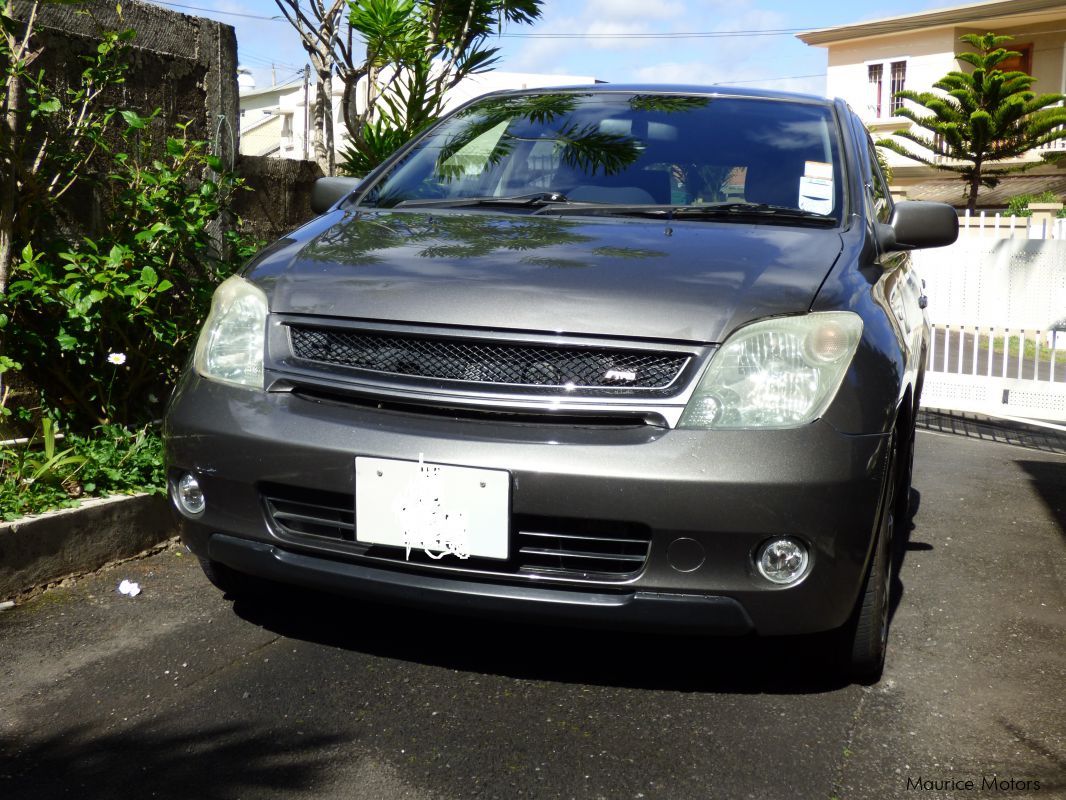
{"x":664,"y":611}
{"x":727,"y":491}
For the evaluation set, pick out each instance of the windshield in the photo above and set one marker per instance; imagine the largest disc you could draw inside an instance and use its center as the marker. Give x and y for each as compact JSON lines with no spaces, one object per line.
{"x":623,"y":149}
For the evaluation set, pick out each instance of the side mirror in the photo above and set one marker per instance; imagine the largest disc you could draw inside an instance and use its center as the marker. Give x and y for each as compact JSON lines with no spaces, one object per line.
{"x":327,"y":192}
{"x":916,"y":224}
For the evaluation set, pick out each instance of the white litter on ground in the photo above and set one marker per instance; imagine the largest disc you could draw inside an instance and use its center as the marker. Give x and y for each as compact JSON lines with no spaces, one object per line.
{"x":4,"y":606}
{"x":130,"y":588}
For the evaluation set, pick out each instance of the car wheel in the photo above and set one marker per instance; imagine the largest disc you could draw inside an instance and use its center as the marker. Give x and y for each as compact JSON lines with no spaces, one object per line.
{"x":229,"y":580}
{"x":869,"y":628}
{"x":906,"y":468}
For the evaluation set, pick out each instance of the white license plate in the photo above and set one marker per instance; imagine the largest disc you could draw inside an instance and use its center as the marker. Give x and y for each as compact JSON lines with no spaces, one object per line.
{"x":436,"y":508}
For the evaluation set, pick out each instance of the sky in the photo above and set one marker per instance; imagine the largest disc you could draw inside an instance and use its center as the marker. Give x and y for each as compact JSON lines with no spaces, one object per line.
{"x":759,"y":48}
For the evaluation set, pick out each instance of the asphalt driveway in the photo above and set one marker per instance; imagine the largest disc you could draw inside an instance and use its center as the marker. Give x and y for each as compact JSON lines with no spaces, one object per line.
{"x":180,"y":693}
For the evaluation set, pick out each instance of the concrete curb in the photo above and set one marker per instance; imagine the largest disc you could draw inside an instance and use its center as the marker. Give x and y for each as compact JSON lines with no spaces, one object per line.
{"x":71,"y":541}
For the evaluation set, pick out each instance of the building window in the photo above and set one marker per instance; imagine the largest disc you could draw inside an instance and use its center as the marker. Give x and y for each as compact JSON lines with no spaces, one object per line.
{"x":1018,"y":63}
{"x":899,"y":79}
{"x":876,"y":76}
{"x":884,"y":80}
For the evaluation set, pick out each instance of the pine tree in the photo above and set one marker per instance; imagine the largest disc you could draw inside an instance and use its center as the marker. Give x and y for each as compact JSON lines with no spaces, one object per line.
{"x":980,"y":119}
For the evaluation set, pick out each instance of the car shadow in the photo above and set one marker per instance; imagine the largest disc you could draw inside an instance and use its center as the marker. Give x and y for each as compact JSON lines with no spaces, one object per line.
{"x":686,"y":663}
{"x":901,"y":545}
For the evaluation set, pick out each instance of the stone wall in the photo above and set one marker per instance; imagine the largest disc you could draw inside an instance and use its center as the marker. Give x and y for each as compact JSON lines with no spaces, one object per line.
{"x":184,"y":66}
{"x":280,"y":199}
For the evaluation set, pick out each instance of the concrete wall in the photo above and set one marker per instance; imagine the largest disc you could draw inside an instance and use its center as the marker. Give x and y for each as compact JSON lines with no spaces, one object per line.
{"x":185,"y":66}
{"x":281,"y":196}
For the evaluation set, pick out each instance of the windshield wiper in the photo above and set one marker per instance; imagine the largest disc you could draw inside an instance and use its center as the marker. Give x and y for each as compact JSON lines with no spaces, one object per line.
{"x":531,"y":200}
{"x":736,"y":211}
{"x":749,"y":209}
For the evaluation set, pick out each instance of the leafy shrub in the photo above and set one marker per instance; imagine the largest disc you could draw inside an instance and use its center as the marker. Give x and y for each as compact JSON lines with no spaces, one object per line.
{"x":112,"y":459}
{"x":109,"y":258}
{"x":379,"y":140}
{"x":37,"y":478}
{"x":106,"y":323}
{"x":1018,"y":205}
{"x":120,"y":459}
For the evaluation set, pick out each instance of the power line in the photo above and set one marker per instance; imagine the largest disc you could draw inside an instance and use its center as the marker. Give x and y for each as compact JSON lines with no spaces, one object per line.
{"x":252,"y":58}
{"x":768,"y":80}
{"x":662,"y":35}
{"x":278,"y":18}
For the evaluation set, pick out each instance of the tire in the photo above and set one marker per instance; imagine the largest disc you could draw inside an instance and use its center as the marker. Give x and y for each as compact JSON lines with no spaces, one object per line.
{"x":906,"y":468}
{"x":868,"y":639}
{"x":230,"y":581}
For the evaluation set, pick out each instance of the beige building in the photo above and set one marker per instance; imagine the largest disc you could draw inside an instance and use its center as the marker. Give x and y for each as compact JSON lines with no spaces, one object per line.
{"x":870,"y":61}
{"x":274,"y":120}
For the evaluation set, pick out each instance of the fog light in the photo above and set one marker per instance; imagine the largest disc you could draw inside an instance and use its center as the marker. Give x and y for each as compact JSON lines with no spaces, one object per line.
{"x":782,"y":561}
{"x":189,"y":494}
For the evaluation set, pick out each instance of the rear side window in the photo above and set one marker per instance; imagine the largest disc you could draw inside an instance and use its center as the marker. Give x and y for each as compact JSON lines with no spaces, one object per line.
{"x":613,"y":147}
{"x":877,"y":187}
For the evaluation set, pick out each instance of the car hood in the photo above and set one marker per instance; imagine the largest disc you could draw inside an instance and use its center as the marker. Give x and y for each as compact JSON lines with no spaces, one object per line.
{"x":592,"y":275}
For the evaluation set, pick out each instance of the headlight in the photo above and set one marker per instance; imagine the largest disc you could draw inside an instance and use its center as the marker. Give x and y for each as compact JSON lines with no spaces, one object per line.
{"x":230,"y":347}
{"x":777,"y":373}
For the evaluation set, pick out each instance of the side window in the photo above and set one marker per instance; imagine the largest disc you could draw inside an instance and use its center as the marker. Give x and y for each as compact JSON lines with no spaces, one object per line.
{"x":875,"y":181}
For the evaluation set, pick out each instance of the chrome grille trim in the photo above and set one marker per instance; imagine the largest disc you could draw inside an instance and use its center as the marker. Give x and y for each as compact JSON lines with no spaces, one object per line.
{"x":318,"y":518}
{"x":571,"y":552}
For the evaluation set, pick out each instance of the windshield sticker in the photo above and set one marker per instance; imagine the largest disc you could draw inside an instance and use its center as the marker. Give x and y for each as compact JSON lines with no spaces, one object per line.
{"x":820,"y":170}
{"x":816,"y":188}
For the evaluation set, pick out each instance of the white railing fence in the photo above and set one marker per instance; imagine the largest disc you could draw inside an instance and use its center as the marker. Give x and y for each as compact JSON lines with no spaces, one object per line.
{"x":997,"y":303}
{"x":1003,"y":226}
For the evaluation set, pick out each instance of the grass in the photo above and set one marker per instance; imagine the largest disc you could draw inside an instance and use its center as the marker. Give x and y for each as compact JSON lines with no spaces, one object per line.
{"x":1013,"y":344}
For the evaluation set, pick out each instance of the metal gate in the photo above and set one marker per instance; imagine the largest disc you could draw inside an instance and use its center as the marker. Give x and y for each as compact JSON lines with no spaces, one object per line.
{"x":997,"y":303}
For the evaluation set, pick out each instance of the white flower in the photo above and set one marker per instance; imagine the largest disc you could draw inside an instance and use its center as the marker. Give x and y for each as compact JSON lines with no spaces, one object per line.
{"x":118,"y":359}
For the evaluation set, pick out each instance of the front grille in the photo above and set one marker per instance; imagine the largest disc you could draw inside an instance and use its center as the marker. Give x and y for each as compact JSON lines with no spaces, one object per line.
{"x":567,"y":548}
{"x":487,"y":362}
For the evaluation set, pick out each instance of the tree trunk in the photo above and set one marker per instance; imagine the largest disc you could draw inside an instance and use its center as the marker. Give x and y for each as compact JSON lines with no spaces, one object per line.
{"x":330,"y":167}
{"x":975,"y":187}
{"x":322,"y":137}
{"x":9,"y":181}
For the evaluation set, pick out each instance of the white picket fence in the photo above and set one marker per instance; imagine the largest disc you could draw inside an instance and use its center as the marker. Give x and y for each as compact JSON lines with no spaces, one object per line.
{"x":995,"y":297}
{"x":1002,"y":226}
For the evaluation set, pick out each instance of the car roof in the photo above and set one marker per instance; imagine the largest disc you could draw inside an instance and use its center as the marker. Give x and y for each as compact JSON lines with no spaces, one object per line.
{"x":661,"y":88}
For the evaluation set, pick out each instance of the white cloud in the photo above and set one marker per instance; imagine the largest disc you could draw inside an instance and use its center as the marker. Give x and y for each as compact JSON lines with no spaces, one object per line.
{"x":639,"y":9}
{"x":699,"y":73}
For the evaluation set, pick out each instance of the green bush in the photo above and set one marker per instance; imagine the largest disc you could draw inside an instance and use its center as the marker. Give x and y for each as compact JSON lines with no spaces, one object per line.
{"x":104,"y":324}
{"x":115,"y":244}
{"x":113,"y":459}
{"x":1018,"y":205}
{"x":380,"y":139}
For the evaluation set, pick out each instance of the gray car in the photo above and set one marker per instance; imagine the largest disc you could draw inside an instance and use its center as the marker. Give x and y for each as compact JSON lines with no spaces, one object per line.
{"x":622,"y":356}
